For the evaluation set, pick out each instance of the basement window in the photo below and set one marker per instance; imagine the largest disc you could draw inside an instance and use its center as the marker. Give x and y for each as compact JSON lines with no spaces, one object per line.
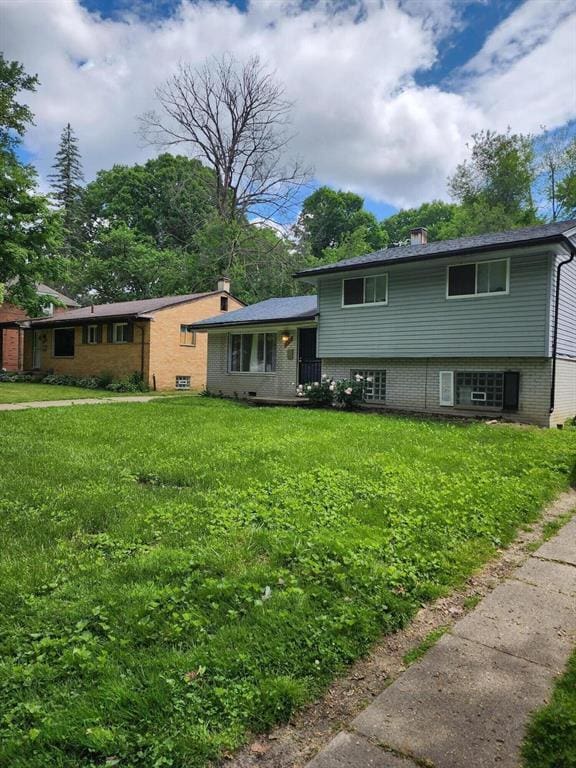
{"x":182,"y":382}
{"x":479,"y":389}
{"x":374,"y":385}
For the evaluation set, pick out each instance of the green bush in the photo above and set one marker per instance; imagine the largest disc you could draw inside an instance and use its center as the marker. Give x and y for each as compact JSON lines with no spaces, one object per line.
{"x":132,"y":383}
{"x":350,"y":392}
{"x":318,"y":392}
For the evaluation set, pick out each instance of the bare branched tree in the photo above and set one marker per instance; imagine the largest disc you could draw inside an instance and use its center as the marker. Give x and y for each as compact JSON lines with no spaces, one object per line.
{"x":235,"y":118}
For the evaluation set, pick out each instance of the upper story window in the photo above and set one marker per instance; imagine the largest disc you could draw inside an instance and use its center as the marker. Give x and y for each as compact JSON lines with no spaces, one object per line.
{"x":64,"y":342}
{"x":365,"y":290}
{"x":187,"y":336}
{"x":479,"y":279}
{"x":224,"y":303}
{"x":48,"y":309}
{"x":253,"y":352}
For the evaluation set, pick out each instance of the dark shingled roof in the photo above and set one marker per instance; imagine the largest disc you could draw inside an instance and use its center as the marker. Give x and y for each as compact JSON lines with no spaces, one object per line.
{"x":269,"y":311}
{"x":139,"y":308}
{"x":45,"y":290}
{"x":547,"y":233}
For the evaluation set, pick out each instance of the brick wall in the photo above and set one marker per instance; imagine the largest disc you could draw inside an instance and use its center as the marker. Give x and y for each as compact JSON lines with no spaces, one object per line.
{"x":91,"y":359}
{"x":565,"y":395}
{"x":11,"y":340}
{"x":281,"y":384}
{"x":168,"y":358}
{"x":414,"y":384}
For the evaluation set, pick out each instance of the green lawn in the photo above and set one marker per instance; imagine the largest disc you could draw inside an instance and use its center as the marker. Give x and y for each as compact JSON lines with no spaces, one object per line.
{"x":551,"y":739}
{"x":176,"y":573}
{"x":28,"y":392}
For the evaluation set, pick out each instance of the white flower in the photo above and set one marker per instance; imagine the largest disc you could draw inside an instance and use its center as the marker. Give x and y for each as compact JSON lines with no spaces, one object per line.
{"x":348,"y":391}
{"x":267,"y":594}
{"x":332,"y":387}
{"x":369,"y":379}
{"x":358,"y":377}
{"x":308,"y":388}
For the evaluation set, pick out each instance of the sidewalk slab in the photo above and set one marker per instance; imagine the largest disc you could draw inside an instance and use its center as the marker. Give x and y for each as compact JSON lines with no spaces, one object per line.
{"x":462,"y":705}
{"x":347,"y":750}
{"x":548,"y":574}
{"x":529,"y":622}
{"x":562,"y":547}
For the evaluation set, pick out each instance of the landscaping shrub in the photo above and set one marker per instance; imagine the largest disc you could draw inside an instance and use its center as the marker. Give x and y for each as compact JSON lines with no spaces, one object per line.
{"x":350,"y":392}
{"x":15,"y":378}
{"x":132,"y":383}
{"x":318,"y":392}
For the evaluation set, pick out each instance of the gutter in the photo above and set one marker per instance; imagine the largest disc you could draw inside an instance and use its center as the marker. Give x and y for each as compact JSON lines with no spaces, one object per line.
{"x":556,"y":317}
{"x":272,"y":321}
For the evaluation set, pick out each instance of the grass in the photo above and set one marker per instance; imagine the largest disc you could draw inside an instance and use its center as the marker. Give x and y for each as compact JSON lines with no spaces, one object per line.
{"x":28,"y":392}
{"x":175,"y":574}
{"x":418,"y":651}
{"x":551,"y":738}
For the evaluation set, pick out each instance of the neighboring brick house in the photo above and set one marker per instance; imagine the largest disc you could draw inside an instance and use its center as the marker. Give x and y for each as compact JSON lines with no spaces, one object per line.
{"x":151,"y":337}
{"x":482,"y":325}
{"x":12,"y":336}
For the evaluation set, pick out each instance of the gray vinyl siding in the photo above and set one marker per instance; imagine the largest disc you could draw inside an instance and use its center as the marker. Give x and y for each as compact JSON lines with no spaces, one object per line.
{"x":567,"y":309}
{"x":419,"y":321}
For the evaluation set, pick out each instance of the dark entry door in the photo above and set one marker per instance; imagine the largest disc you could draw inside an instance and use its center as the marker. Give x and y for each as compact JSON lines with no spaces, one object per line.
{"x":309,"y":366}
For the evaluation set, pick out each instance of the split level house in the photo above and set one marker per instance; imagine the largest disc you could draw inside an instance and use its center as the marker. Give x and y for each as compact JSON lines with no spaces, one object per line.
{"x":11,"y":316}
{"x":482,"y":325}
{"x":150,"y":337}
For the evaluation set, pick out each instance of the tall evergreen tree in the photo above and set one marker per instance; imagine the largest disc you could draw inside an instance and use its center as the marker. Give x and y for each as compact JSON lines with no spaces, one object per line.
{"x":66,"y":182}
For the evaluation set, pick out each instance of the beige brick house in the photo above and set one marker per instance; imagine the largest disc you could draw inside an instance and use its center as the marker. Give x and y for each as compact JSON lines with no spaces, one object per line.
{"x":150,"y":337}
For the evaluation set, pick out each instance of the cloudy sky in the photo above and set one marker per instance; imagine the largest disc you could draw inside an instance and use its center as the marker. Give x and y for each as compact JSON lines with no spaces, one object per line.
{"x":386,"y":92}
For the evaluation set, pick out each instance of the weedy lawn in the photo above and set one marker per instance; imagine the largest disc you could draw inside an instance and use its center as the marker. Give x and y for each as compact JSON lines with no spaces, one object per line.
{"x":177,"y":573}
{"x":29,"y":392}
{"x":551,"y":739}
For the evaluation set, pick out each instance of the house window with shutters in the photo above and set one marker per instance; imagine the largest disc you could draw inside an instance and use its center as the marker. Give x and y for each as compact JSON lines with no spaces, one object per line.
{"x":92,"y":334}
{"x":120,"y":334}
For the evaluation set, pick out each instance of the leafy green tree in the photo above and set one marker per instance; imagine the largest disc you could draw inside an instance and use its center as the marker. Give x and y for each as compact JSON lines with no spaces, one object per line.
{"x":259,"y":260}
{"x":30,"y":233}
{"x":355,"y":243}
{"x":328,"y":216}
{"x":168,"y":199}
{"x":66,"y":182}
{"x":494,"y":187}
{"x":123,"y":265}
{"x":434,"y":216}
{"x":14,"y":117}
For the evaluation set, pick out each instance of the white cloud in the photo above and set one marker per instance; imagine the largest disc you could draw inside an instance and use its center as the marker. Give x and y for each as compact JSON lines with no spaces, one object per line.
{"x":360,"y":119}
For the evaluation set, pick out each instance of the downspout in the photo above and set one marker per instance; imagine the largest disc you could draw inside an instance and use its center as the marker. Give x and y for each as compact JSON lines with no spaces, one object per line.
{"x":555,"y":330}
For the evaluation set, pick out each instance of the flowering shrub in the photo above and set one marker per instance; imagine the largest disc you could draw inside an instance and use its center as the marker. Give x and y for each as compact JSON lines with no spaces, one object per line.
{"x":318,"y":392}
{"x":349,"y":393}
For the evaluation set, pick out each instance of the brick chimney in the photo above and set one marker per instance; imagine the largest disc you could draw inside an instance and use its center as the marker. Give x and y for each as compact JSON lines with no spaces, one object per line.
{"x":224,"y":284}
{"x":418,"y":236}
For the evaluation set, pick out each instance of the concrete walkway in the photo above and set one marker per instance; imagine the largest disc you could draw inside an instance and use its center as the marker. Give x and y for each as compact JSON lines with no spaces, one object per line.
{"x":79,"y":401}
{"x":466,"y":703}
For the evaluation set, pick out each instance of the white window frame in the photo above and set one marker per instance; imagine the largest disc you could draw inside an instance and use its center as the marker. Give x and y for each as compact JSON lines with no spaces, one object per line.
{"x":184,"y":343}
{"x":186,"y":382}
{"x":115,"y":339}
{"x":90,"y":340}
{"x":63,"y":357}
{"x":477,"y":295}
{"x":449,"y":401}
{"x":372,"y":373}
{"x":253,"y":373}
{"x":365,"y":303}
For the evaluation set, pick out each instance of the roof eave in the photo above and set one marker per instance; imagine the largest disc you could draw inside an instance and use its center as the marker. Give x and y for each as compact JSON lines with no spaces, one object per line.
{"x":270,"y":321}
{"x":550,"y":240}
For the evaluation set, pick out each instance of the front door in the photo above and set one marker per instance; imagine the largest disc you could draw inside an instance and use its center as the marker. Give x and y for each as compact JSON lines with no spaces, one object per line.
{"x":309,"y":366}
{"x":37,"y":351}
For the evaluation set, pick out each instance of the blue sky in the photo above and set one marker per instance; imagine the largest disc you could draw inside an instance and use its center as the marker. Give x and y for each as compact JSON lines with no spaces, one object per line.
{"x":386,"y":93}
